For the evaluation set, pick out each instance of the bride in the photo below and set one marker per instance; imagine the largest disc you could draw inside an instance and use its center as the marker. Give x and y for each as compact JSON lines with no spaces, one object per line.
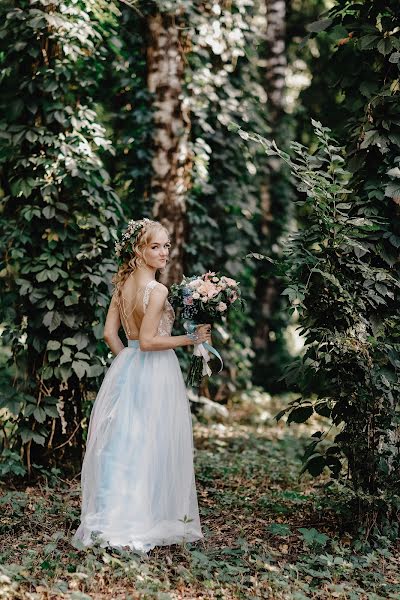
{"x":138,"y":484}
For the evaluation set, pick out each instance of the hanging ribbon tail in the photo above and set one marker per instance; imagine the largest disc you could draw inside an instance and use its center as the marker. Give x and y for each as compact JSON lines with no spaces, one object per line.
{"x":204,"y":350}
{"x":211,"y":349}
{"x":201,"y":351}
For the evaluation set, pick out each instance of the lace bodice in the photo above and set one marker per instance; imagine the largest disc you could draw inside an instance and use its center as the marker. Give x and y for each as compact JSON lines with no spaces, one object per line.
{"x":168,"y":314}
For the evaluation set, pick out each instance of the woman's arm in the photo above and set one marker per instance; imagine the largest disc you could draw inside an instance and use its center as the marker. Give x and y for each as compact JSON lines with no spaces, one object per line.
{"x":111,"y":328}
{"x":148,"y":338}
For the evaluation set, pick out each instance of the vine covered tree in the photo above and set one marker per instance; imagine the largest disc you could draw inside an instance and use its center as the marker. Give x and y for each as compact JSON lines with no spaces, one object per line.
{"x":171,"y":161}
{"x":58,"y":212}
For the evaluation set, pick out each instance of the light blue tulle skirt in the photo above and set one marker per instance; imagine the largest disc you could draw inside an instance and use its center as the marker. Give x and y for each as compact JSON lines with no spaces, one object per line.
{"x":138,"y":484}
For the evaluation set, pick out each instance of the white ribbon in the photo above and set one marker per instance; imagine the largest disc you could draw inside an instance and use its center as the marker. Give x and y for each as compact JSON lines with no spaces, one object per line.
{"x":199,"y":350}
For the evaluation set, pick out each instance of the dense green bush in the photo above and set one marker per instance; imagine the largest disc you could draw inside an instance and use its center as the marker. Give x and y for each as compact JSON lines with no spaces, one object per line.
{"x":57,"y":214}
{"x":347,"y":302}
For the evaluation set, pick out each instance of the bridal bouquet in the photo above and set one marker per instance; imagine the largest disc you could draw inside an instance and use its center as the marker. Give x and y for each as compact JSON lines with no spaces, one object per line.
{"x":204,"y":299}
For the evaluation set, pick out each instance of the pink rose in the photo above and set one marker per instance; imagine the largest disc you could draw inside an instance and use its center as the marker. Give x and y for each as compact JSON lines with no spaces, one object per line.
{"x":222,"y":307}
{"x":208,"y":275}
{"x":230,"y":281}
{"x":207,"y":289}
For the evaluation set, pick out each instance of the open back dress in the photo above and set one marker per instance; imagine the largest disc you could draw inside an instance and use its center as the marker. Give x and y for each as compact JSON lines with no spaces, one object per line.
{"x":138,"y":483}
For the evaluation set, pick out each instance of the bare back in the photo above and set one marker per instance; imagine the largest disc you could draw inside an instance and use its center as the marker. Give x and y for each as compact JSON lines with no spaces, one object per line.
{"x":131,"y":309}
{"x":135,"y":295}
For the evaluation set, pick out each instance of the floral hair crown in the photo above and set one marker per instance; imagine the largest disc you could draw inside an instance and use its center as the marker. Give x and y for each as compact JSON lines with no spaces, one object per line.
{"x":130,"y":234}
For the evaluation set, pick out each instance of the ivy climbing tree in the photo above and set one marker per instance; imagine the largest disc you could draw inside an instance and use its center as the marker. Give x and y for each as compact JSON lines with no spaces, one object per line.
{"x":219,"y":178}
{"x":58,"y":213}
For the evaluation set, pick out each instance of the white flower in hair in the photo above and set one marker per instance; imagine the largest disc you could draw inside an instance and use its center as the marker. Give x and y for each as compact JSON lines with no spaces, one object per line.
{"x":130,"y":233}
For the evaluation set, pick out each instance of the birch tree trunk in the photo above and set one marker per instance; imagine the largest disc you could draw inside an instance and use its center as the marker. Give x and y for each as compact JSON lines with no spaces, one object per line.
{"x":274,"y":66}
{"x":275,"y":59}
{"x":172,"y":160}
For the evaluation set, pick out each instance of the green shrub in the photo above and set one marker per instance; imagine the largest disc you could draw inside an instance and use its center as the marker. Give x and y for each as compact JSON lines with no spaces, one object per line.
{"x":347,"y":300}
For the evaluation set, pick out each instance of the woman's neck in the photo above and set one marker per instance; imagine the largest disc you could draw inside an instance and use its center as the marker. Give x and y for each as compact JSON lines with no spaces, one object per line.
{"x":147,"y":271}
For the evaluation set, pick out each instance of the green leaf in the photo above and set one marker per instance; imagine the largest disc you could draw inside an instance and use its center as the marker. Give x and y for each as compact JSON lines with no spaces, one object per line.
{"x":392,"y":190}
{"x":279,"y":529}
{"x":73,"y":298}
{"x":322,"y":408}
{"x":50,"y":86}
{"x":80,"y":596}
{"x":395,"y":172}
{"x":318,"y":26}
{"x":52,"y":320}
{"x":98,"y":331}
{"x":25,"y":434}
{"x":300,"y":414}
{"x":42,"y":275}
{"x":51,"y":411}
{"x":64,"y":372}
{"x":385,"y":45}
{"x":312,"y":537}
{"x":40,"y":414}
{"x":258,"y":256}
{"x":369,"y":41}
{"x":315,"y":465}
{"x":39,"y":438}
{"x":53,"y":355}
{"x":95,"y":370}
{"x":49,"y":211}
{"x":79,"y":367}
{"x":82,"y":355}
{"x":280,"y":414}
{"x":31,"y":136}
{"x":53,"y":345}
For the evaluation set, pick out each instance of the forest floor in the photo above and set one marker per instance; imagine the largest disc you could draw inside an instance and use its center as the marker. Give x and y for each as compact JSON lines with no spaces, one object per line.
{"x":268,"y":533}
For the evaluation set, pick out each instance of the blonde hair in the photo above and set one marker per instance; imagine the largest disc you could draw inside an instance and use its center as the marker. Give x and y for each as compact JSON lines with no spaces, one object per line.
{"x":136,"y":258}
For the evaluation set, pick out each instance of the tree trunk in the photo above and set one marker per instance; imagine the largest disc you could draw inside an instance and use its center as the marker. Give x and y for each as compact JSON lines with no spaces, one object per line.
{"x":275,"y":59}
{"x":274,"y":67}
{"x":172,"y":159}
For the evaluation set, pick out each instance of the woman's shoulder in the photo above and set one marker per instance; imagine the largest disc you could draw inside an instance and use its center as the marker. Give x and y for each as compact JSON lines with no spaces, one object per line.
{"x":160,"y":289}
{"x":155,"y":292}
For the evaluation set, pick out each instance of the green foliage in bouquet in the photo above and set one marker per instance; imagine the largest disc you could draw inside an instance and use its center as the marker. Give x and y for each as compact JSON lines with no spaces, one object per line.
{"x":57,"y":214}
{"x":347,"y":297}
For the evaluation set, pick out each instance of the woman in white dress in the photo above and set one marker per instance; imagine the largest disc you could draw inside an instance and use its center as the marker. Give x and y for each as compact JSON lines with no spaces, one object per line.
{"x":138,"y":484}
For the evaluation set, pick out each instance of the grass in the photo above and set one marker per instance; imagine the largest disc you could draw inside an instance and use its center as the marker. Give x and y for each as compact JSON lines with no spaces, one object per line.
{"x":268,"y":534}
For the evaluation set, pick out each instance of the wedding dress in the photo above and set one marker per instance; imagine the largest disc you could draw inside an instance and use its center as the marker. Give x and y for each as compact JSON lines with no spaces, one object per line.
{"x":138,"y":483}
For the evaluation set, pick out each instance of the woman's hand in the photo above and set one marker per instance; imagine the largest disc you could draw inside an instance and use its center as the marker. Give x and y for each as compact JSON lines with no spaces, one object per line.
{"x":203,"y":333}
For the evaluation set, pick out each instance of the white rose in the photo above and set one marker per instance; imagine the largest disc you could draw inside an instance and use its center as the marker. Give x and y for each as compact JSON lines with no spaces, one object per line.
{"x":196,"y":296}
{"x":195,"y":283}
{"x":222,"y":306}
